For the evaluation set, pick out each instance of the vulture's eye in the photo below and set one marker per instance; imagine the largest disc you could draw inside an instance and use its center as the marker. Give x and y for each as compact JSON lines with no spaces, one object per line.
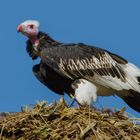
{"x":31,"y":26}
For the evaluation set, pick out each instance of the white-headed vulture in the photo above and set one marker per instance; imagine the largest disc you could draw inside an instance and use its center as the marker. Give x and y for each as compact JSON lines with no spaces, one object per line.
{"x":79,"y":70}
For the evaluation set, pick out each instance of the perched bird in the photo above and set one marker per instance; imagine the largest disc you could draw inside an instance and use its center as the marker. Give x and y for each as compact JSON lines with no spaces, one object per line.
{"x":82,"y":71}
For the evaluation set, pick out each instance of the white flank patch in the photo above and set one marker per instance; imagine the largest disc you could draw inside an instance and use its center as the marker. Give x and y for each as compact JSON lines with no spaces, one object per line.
{"x":132,"y":70}
{"x":113,"y":82}
{"x":86,"y":92}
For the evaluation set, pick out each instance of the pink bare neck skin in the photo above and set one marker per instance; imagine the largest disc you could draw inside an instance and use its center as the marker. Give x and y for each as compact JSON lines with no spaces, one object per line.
{"x":34,"y":40}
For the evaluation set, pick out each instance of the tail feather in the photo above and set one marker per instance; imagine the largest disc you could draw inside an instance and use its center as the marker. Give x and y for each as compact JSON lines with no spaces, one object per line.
{"x":133,"y":100}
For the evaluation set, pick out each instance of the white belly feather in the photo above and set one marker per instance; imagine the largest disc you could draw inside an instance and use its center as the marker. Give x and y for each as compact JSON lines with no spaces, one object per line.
{"x":86,"y":92}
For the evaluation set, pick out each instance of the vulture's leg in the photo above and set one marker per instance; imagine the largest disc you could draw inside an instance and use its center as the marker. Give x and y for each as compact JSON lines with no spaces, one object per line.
{"x":71,"y":104}
{"x":73,"y":100}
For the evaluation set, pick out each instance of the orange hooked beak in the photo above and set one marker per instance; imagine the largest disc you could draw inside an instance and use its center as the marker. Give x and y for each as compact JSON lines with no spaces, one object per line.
{"x":19,"y":29}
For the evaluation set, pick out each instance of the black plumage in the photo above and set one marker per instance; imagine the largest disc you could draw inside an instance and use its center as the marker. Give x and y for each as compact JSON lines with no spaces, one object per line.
{"x":60,"y":63}
{"x":52,"y":79}
{"x":30,"y":50}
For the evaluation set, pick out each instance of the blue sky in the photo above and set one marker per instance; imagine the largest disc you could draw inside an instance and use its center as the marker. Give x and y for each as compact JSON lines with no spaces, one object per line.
{"x":113,"y":25}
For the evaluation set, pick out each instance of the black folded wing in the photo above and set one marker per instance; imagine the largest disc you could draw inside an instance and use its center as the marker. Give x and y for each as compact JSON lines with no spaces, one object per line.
{"x":82,"y":61}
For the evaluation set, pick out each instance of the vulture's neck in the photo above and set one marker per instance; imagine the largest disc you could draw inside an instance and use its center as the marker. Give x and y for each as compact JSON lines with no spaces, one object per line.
{"x":45,"y":41}
{"x":39,"y":42}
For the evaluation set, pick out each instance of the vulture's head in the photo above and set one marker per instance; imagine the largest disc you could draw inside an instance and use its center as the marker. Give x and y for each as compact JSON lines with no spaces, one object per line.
{"x":29,"y":28}
{"x":37,"y":40}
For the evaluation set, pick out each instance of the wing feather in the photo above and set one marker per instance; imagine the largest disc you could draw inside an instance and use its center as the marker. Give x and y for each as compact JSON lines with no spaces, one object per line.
{"x":82,"y":61}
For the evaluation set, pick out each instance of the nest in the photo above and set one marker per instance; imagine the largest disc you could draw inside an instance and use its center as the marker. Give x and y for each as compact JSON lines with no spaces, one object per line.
{"x":57,"y":121}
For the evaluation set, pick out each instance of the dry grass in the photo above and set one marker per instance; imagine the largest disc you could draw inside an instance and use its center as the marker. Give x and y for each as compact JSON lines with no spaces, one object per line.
{"x":57,"y":122}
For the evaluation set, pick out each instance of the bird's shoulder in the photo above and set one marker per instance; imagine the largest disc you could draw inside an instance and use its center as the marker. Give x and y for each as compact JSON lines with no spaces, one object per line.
{"x":72,"y":51}
{"x":80,"y":51}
